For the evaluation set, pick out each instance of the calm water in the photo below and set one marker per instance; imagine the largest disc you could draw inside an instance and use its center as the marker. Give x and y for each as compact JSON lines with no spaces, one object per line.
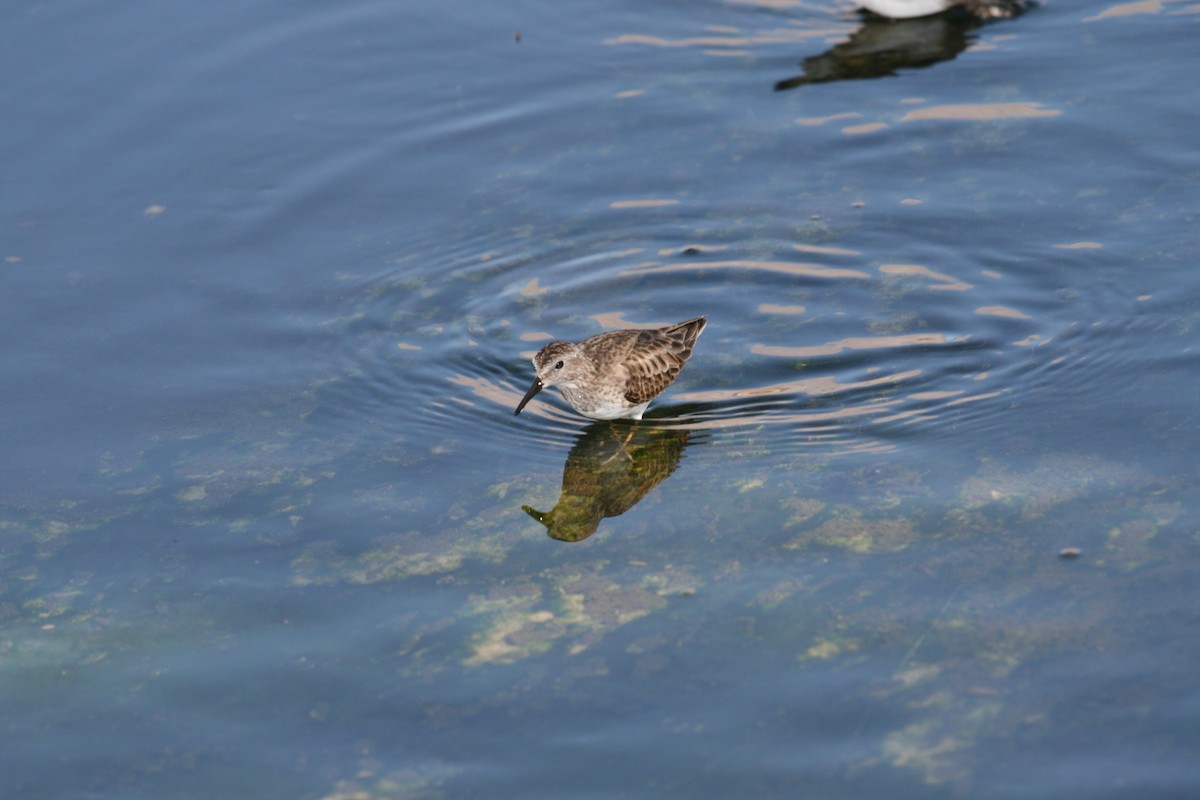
{"x":919,"y":519}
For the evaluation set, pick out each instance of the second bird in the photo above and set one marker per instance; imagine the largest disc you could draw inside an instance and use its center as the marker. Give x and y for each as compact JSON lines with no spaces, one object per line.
{"x":615,"y":374}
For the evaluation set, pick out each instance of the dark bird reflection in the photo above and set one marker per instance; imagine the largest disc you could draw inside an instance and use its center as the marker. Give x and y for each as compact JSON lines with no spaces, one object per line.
{"x":882,"y":46}
{"x":611,"y":467}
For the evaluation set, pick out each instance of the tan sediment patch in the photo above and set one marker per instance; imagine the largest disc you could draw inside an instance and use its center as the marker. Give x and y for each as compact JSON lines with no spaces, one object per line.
{"x":947,"y":283}
{"x":533,"y":289}
{"x":815,"y":386}
{"x":772,"y":36}
{"x":980,"y":112}
{"x":777,"y":5}
{"x":647,"y":203}
{"x":866,"y":127}
{"x":1128,"y":9}
{"x":809,"y":121}
{"x":973,"y":398}
{"x":936,"y":395}
{"x":827,"y":251}
{"x":481,"y":387}
{"x":615,"y":320}
{"x":1001,"y":311}
{"x":855,"y":343}
{"x":771,"y":308}
{"x":798,"y":268}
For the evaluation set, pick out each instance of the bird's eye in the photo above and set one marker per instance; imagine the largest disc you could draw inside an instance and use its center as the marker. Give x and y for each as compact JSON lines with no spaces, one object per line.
{"x":558,"y":365}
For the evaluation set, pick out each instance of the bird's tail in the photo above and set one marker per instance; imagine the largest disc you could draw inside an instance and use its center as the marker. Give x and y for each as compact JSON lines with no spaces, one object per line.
{"x":690,"y":330}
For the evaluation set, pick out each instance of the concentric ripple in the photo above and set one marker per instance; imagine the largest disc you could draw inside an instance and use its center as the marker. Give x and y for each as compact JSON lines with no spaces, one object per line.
{"x":849,"y":357}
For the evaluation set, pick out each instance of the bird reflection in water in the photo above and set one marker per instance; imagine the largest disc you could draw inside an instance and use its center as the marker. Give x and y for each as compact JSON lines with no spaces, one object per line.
{"x":882,"y":46}
{"x":609,"y":470}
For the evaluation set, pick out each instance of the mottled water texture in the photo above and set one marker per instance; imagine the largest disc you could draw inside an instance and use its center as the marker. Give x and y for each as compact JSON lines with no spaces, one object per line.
{"x":919,"y":519}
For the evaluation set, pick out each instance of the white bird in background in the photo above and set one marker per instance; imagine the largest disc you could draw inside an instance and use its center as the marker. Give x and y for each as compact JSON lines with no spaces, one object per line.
{"x":904,"y":9}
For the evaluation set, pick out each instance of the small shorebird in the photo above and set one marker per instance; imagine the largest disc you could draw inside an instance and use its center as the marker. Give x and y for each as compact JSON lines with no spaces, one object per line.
{"x":615,"y":374}
{"x":903,"y":9}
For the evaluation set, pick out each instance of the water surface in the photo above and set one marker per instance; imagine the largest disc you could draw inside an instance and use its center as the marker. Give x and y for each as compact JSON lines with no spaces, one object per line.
{"x":918,"y":518}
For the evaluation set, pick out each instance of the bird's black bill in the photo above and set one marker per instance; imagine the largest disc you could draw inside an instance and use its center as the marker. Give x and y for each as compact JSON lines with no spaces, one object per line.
{"x":537,"y":387}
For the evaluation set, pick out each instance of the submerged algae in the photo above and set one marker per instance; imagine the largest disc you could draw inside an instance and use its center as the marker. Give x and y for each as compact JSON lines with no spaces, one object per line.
{"x":849,"y":530}
{"x":583,"y":608}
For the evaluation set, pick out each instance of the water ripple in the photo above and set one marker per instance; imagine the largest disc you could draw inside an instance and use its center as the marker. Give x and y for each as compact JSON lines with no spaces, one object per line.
{"x":848,"y":357}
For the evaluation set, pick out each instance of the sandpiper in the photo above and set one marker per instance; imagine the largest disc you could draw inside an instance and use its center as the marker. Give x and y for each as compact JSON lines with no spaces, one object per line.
{"x":904,"y":9}
{"x":615,"y":374}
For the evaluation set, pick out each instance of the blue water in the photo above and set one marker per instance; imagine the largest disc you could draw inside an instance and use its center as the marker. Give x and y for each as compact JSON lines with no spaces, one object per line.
{"x":918,"y":519}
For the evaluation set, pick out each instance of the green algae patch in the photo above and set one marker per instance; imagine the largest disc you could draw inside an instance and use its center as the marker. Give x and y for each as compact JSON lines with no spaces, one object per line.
{"x":58,"y":603}
{"x":471,"y":539}
{"x":948,"y":722}
{"x":599,"y":604}
{"x":581,"y":609}
{"x":801,"y":510}
{"x":1051,"y":481}
{"x":825,"y":649}
{"x":849,"y":530}
{"x":422,"y":781}
{"x":406,"y":555}
{"x":672,"y":581}
{"x":514,"y":635}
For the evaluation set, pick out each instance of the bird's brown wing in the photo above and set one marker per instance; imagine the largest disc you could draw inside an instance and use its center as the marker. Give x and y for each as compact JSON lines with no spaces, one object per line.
{"x":655,"y":359}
